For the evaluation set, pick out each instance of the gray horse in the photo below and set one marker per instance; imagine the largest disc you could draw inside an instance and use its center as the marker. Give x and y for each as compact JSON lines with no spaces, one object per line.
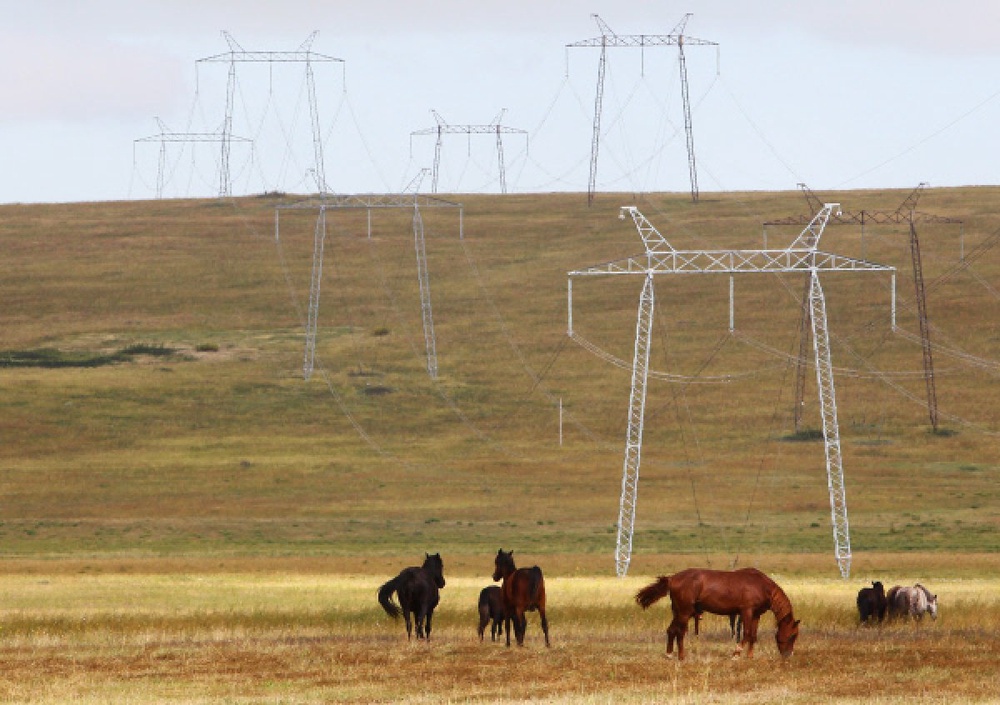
{"x":911,"y":602}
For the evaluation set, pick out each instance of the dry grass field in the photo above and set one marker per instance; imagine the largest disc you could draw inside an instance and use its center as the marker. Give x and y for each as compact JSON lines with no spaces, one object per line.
{"x":184,"y":519}
{"x":278,"y":633}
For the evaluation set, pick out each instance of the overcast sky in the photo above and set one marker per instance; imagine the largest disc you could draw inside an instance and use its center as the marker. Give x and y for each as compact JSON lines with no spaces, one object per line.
{"x":844,"y":94}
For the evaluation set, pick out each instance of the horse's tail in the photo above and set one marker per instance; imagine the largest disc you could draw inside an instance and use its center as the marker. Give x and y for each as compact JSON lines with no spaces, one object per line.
{"x":385,"y":598}
{"x":536,"y":584}
{"x":653,"y":592}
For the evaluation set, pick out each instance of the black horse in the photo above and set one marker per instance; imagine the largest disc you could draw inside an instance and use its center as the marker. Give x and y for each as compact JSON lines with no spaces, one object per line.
{"x":872,"y":603}
{"x":491,"y":609}
{"x":417,"y":591}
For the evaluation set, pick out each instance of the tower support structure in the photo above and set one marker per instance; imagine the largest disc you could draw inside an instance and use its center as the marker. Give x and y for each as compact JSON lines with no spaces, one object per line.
{"x":905,"y":213}
{"x":660,"y":258}
{"x":609,"y":39}
{"x":370,"y":202}
{"x":166,"y":136}
{"x":443,"y":128}
{"x":238,"y":55}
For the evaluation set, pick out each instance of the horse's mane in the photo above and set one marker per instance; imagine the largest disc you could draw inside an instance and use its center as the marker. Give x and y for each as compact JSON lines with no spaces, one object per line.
{"x":927,"y":593}
{"x":780,"y":604}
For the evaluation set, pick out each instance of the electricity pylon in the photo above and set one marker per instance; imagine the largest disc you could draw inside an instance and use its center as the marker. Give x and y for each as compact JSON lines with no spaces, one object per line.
{"x":370,"y":202}
{"x":166,"y":136}
{"x":661,"y":258}
{"x":239,"y":55}
{"x":443,"y":128}
{"x":905,"y":213}
{"x":609,"y":39}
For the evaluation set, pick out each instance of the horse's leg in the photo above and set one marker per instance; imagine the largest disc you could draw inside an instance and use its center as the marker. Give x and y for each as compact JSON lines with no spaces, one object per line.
{"x":697,"y":622}
{"x":545,"y":624}
{"x":409,"y":627}
{"x":419,"y":617}
{"x":748,"y":625}
{"x":750,"y":633}
{"x":675,"y":632}
{"x":521,"y":627}
{"x":506,"y":622}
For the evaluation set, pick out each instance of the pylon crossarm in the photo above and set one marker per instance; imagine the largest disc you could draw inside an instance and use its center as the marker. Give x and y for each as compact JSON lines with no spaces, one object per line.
{"x":808,"y":239}
{"x":651,"y":237}
{"x":732,"y":262}
{"x":372,"y":200}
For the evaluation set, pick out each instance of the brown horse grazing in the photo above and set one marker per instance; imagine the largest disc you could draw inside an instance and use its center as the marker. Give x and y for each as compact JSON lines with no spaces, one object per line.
{"x":490,"y":609}
{"x":747,"y":593}
{"x":417,"y":590}
{"x":522,"y":590}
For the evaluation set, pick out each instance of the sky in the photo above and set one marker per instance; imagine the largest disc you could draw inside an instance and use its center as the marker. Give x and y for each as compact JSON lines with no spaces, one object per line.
{"x":838,"y":95}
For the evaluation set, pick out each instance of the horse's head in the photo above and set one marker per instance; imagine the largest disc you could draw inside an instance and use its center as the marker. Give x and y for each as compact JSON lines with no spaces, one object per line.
{"x":929,"y":599}
{"x":788,"y":632}
{"x":435,"y":566}
{"x":503,"y":564}
{"x":879,"y":588}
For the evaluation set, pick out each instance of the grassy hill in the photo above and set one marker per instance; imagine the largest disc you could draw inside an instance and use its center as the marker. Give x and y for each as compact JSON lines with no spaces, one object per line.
{"x":153,"y":402}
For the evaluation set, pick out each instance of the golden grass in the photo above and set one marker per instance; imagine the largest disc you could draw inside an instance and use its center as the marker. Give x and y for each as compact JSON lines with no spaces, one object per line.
{"x":294,"y":637}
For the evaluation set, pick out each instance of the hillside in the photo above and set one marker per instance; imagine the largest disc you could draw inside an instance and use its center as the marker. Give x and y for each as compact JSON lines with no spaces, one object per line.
{"x":154,"y":402}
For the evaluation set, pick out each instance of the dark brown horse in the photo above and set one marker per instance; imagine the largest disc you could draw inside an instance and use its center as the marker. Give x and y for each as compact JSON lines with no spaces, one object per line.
{"x":872,"y":603}
{"x":522,"y":590}
{"x":490,"y":610}
{"x":747,"y":593}
{"x":417,"y":590}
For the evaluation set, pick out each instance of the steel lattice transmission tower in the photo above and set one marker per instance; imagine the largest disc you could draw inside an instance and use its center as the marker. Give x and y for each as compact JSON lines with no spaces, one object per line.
{"x":239,"y":55}
{"x":443,"y":128}
{"x":660,"y":258}
{"x":609,"y":39}
{"x":165,"y":137}
{"x":370,"y":202}
{"x":905,"y":213}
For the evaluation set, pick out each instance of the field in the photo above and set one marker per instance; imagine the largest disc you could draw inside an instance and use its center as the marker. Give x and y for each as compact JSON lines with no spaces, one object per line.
{"x":184,"y":518}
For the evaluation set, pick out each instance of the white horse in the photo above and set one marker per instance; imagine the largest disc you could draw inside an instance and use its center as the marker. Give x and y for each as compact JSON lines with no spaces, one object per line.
{"x":912,"y":602}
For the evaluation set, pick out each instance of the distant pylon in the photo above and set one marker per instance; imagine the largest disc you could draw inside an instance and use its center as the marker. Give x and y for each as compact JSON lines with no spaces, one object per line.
{"x":443,"y":128}
{"x":609,"y":39}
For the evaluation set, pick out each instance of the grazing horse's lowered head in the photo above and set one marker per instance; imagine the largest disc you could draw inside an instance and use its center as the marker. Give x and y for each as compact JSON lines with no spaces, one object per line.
{"x":929,"y":602}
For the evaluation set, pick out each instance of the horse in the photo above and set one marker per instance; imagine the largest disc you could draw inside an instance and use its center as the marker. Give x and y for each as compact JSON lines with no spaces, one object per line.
{"x":747,"y":593}
{"x":912,"y":602}
{"x":491,"y":609}
{"x":522,"y":590}
{"x":872,"y":603}
{"x":417,"y":591}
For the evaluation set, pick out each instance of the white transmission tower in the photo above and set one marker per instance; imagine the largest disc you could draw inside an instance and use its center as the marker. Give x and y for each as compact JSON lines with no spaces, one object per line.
{"x":370,"y":202}
{"x":661,"y":258}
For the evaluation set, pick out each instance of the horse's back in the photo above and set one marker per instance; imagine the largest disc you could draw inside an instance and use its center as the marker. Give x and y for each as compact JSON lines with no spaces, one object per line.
{"x":722,"y":592}
{"x":525,"y":589}
{"x":415,"y":588}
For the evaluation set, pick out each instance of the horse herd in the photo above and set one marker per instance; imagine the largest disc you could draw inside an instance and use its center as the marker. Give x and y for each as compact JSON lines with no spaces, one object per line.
{"x":743,"y":595}
{"x":876,"y":605}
